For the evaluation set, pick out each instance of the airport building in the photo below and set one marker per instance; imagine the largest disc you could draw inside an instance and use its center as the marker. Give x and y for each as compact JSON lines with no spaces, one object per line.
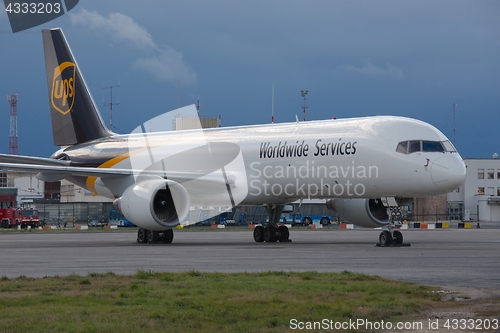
{"x":28,"y":187}
{"x":433,"y":209}
{"x":478,"y":199}
{"x":187,"y":123}
{"x":58,"y":201}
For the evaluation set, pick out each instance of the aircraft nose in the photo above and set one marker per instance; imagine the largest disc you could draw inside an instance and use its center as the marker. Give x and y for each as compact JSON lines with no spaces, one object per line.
{"x":448,"y":172}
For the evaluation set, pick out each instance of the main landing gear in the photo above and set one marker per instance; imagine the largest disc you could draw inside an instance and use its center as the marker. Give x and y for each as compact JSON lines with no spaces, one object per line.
{"x":151,"y":236}
{"x":272,"y":232}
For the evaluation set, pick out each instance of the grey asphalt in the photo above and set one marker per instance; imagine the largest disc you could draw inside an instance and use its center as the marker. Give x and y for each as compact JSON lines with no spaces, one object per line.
{"x":447,"y":257}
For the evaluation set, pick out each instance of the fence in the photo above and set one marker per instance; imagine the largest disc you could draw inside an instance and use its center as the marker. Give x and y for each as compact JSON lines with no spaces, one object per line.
{"x":77,"y":212}
{"x":432,"y":217}
{"x":83,"y":212}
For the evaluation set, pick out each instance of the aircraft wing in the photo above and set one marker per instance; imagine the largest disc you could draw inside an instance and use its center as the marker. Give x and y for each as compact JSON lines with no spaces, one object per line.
{"x":64,"y":171}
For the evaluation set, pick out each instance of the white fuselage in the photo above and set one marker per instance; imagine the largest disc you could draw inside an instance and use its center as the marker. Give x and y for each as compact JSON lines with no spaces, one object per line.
{"x":278,"y":163}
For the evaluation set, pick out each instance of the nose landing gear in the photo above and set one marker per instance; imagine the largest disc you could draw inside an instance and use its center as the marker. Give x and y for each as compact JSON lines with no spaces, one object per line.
{"x":387,"y":238}
{"x":391,"y":236}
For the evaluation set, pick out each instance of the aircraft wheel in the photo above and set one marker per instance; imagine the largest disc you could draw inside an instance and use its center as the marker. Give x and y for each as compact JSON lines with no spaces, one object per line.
{"x":398,"y":237}
{"x":270,"y":234}
{"x":258,"y":234}
{"x":167,"y":236}
{"x":385,"y":237}
{"x":283,"y":233}
{"x":141,"y":236}
{"x":153,"y":236}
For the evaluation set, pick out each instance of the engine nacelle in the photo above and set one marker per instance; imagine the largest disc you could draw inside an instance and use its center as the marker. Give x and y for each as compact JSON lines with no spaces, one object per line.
{"x":368,"y":213}
{"x":154,"y":204}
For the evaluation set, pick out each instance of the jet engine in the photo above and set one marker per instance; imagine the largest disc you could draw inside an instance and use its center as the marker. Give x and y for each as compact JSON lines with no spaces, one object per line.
{"x":368,"y":213}
{"x":154,"y":204}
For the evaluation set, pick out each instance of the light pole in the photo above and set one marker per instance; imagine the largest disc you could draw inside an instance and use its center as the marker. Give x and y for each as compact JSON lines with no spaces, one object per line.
{"x":304,"y":93}
{"x":59,"y":211}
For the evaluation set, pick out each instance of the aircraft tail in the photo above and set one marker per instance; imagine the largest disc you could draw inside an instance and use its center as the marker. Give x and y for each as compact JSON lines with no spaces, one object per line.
{"x":75,"y":117}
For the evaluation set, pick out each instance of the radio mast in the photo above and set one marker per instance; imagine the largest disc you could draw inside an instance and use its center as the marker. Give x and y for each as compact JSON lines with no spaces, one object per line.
{"x":303,"y":93}
{"x":13,"y":142}
{"x":454,"y":125}
{"x":111,"y":104}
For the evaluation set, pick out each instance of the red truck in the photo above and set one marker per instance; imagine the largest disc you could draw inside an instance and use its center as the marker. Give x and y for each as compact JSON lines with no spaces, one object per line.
{"x":13,"y":217}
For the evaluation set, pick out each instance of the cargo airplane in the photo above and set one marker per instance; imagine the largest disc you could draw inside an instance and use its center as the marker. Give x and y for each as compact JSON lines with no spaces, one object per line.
{"x":365,"y":168}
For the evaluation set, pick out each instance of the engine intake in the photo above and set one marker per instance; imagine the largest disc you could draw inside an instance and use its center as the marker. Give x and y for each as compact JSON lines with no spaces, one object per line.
{"x":154,"y":204}
{"x":368,"y":213}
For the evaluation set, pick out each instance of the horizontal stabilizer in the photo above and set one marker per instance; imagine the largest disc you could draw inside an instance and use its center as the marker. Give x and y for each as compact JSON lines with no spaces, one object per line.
{"x":7,"y":158}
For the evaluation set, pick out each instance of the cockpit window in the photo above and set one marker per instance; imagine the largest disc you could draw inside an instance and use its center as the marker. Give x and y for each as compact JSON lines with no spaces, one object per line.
{"x":412,"y":146}
{"x":448,"y":146}
{"x":429,"y":146}
{"x":402,"y":147}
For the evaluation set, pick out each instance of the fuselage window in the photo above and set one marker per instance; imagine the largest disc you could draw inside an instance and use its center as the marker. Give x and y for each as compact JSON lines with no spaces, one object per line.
{"x":432,"y":146}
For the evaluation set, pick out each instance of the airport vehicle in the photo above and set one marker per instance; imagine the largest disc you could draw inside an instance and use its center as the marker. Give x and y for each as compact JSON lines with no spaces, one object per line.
{"x":117,"y":218}
{"x":305,"y":220}
{"x":96,"y":221}
{"x":14,"y":217}
{"x":364,"y":168}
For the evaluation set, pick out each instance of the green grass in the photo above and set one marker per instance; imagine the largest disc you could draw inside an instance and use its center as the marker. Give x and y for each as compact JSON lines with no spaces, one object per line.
{"x":203,"y":302}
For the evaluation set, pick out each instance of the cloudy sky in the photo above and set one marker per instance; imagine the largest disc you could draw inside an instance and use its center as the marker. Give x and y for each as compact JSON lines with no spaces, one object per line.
{"x":356,"y":58}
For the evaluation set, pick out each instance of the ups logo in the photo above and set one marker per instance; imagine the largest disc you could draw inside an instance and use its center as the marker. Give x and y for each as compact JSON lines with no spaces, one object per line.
{"x":63,"y":87}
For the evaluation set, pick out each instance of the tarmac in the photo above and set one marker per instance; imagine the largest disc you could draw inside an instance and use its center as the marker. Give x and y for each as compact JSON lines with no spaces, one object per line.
{"x":467,"y":258}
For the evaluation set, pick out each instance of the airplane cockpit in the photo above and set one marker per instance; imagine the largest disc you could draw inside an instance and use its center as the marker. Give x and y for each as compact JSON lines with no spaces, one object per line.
{"x":413,"y":146}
